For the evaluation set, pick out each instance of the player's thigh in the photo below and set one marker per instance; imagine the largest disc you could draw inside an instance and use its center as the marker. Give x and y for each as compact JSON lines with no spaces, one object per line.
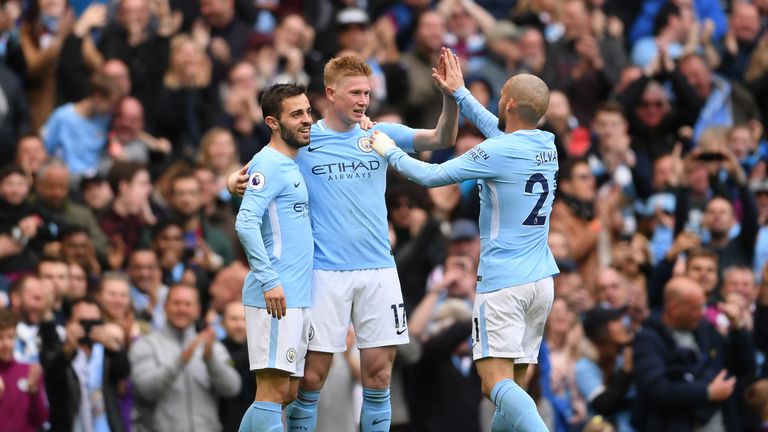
{"x":332,"y":296}
{"x":536,"y":320}
{"x":277,"y":344}
{"x":378,"y":310}
{"x":498,"y":323}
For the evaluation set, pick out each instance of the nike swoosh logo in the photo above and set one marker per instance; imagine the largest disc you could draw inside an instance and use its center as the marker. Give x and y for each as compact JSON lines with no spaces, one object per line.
{"x":299,"y":418}
{"x":296,"y":184}
{"x":377,"y":421}
{"x":310,"y":148}
{"x":399,"y":332}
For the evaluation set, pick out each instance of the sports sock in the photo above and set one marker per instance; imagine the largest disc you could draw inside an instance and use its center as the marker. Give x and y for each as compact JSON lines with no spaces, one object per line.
{"x":376,"y":414}
{"x":517,"y":407}
{"x":301,"y":414}
{"x":500,"y":424}
{"x":262,"y":417}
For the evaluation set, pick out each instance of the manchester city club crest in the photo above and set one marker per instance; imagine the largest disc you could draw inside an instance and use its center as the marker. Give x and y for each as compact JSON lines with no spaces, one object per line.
{"x":364,"y":144}
{"x":311,"y":332}
{"x":290,"y":355}
{"x":257,"y":181}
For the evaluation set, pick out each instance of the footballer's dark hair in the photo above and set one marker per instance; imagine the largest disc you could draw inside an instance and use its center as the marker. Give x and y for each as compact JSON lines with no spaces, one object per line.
{"x":272,"y":99}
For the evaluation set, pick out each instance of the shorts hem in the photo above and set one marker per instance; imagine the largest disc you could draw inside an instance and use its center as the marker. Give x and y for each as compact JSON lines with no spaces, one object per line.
{"x":505,"y":355}
{"x":280,"y":367}
{"x":325,"y":349}
{"x":380,"y":344}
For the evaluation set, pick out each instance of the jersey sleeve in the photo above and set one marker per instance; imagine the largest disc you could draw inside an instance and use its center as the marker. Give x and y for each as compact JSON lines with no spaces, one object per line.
{"x":483,"y":119}
{"x":402,"y":135}
{"x":264,"y":184}
{"x":476,"y":163}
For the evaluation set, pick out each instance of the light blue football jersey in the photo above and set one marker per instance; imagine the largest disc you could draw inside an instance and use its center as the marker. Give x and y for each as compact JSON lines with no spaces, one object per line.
{"x":274,"y":227}
{"x":347,"y":182}
{"x":516,"y":175}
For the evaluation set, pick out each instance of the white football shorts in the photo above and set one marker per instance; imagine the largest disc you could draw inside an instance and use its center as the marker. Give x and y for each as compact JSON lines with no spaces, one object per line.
{"x":278,"y":344}
{"x":509,"y":323}
{"x":370,"y":299}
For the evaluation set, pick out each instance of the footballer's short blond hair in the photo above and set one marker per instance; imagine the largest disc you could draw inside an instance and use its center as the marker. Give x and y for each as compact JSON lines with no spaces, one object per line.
{"x":342,"y":67}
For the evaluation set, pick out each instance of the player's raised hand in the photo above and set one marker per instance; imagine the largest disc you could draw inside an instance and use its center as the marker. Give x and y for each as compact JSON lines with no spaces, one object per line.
{"x":448,"y":75}
{"x":275,"y":301}
{"x":237,"y":181}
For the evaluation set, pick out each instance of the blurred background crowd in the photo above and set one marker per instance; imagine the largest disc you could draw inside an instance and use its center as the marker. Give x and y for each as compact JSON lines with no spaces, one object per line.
{"x":120,"y":274}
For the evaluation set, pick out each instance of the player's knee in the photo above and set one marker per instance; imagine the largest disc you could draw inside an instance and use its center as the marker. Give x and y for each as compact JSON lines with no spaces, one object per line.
{"x":377,"y":377}
{"x":314,"y":379}
{"x":291,"y":395}
{"x":487,"y":387}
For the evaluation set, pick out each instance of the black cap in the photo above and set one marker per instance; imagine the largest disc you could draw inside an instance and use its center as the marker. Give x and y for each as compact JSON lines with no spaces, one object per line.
{"x":598,"y":318}
{"x":567,"y":266}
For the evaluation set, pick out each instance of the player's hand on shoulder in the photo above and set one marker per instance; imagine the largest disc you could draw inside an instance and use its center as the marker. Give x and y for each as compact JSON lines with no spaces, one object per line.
{"x":237,"y":181}
{"x":366,"y":123}
{"x":275,"y":302}
{"x":381,"y":142}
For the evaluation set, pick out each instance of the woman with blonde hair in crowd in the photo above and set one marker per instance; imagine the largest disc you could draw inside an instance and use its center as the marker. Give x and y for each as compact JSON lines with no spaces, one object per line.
{"x":218,"y":152}
{"x":187,"y":104}
{"x":563,"y":335}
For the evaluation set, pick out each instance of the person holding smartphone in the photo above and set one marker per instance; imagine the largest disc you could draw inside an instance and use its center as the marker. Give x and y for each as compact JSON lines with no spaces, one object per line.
{"x":85,"y":369}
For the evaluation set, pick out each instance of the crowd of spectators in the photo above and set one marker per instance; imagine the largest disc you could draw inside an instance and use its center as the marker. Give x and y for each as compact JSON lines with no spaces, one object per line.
{"x":120,"y":273}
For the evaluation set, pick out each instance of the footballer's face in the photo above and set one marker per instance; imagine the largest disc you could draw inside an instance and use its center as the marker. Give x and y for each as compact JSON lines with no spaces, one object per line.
{"x":351,"y":96}
{"x":295,"y":121}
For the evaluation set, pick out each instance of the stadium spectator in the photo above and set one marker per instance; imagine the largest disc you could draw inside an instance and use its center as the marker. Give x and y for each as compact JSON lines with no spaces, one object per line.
{"x":130,"y":215}
{"x":131,"y":39}
{"x":54,"y":273}
{"x":725,"y":102}
{"x":219,"y":153}
{"x":655,"y":121}
{"x":744,"y":29}
{"x":23,"y":406}
{"x":187,"y":85}
{"x":77,"y":132}
{"x":604,"y":372}
{"x":178,"y":364}
{"x":231,"y":409}
{"x":148,"y":293}
{"x":428,"y":39}
{"x":212,"y":249}
{"x":31,"y":300}
{"x":584,"y":64}
{"x":563,"y":337}
{"x":30,"y":154}
{"x":685,"y":371}
{"x":128,"y":139}
{"x":242,"y":115}
{"x":85,"y":369}
{"x":575,"y":213}
{"x":15,"y":121}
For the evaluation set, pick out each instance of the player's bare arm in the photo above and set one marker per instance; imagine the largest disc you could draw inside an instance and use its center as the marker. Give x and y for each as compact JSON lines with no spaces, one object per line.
{"x":448,"y":71}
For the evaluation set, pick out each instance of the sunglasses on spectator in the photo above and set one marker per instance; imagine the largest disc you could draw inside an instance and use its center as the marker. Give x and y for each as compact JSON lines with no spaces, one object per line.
{"x":651,"y":104}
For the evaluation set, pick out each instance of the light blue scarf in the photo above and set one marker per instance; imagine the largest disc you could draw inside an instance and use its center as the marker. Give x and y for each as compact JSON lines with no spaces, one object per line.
{"x":717,"y":110}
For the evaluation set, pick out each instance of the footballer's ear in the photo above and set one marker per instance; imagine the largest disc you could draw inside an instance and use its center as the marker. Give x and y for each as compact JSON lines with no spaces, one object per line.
{"x":330,"y":93}
{"x":272,"y":123}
